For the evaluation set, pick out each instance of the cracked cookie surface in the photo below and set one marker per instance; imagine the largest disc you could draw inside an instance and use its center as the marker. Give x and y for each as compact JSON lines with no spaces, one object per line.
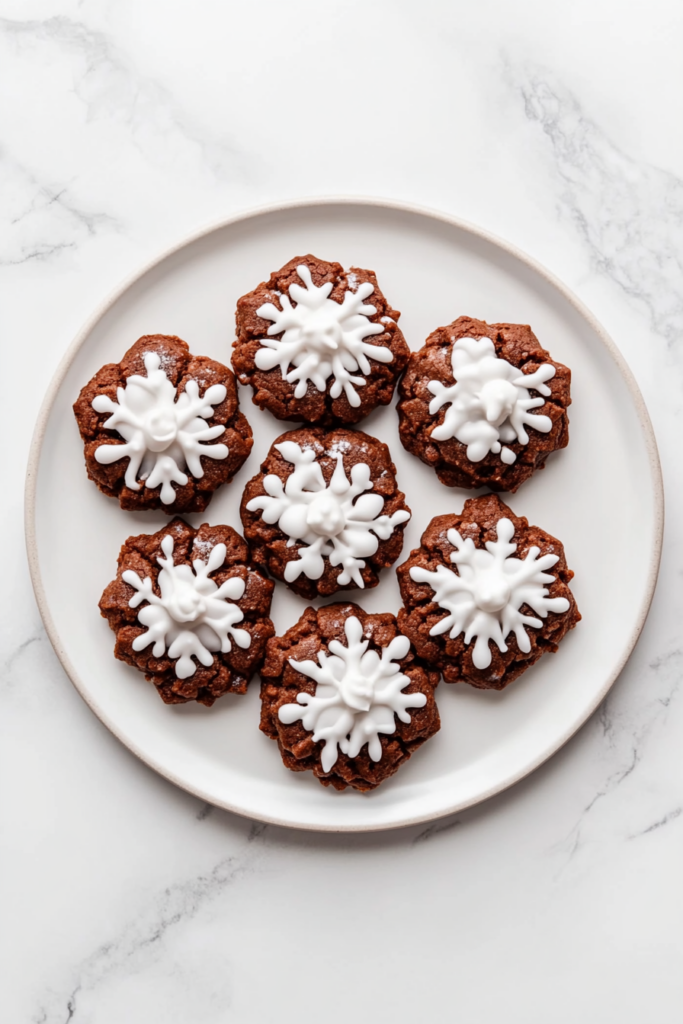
{"x":430,"y":372}
{"x":281,"y":683}
{"x":343,"y":463}
{"x":422,"y":616}
{"x":168,"y":357}
{"x":299,"y":398}
{"x":230,"y":671}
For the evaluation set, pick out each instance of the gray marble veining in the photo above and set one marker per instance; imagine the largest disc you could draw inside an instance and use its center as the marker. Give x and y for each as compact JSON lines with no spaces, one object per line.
{"x":129,"y":124}
{"x":629,"y":215}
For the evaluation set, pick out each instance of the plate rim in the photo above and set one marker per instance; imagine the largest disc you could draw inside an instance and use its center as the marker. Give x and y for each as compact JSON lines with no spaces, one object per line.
{"x":401,"y":206}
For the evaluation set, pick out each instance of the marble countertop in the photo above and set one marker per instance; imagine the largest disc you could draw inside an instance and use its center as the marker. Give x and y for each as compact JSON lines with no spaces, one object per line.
{"x":127,"y":125}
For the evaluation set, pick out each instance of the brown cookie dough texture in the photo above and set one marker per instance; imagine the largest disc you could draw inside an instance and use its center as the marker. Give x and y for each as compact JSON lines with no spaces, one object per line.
{"x":280,"y":684}
{"x":316,"y":407}
{"x":230,"y":672}
{"x":180,"y":367}
{"x":453,"y":657}
{"x":515,"y":343}
{"x":269,"y":544}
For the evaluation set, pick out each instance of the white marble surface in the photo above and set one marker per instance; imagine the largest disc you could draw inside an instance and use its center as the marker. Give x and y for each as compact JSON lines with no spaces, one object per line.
{"x":124,"y":126}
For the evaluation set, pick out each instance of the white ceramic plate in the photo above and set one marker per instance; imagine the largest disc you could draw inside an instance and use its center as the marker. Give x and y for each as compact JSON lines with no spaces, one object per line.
{"x":433,"y":268}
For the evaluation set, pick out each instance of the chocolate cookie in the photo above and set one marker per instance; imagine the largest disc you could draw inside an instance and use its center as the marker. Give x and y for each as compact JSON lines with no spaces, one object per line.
{"x":484,"y":404}
{"x":145,"y":422}
{"x":318,"y":343}
{"x":483,"y":576}
{"x":345,"y":697}
{"x":325,"y":512}
{"x":190,"y":611}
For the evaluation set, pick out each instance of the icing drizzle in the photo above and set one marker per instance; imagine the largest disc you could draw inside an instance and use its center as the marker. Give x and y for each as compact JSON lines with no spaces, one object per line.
{"x":162,"y":433}
{"x":484,"y":601}
{"x":356,"y":697}
{"x":489,"y":401}
{"x":325,"y":519}
{"x":193,"y":616}
{"x":322,"y":338}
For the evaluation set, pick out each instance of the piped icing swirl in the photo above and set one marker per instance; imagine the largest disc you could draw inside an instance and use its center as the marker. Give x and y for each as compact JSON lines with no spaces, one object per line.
{"x":357,"y":696}
{"x":484,"y":598}
{"x":489,"y":401}
{"x":321,"y":338}
{"x":162,"y":430}
{"x":192,"y":616}
{"x":337,"y":521}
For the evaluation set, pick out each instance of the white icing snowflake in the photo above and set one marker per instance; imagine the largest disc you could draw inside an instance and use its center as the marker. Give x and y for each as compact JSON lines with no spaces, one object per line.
{"x":193,"y":616}
{"x":484,"y":600}
{"x":162,"y":435}
{"x":322,"y":338}
{"x":489,"y":401}
{"x":325,"y":518}
{"x":357,"y":695}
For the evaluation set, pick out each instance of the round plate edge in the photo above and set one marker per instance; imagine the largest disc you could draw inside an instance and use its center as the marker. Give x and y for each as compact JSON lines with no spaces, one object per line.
{"x":389,"y":204}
